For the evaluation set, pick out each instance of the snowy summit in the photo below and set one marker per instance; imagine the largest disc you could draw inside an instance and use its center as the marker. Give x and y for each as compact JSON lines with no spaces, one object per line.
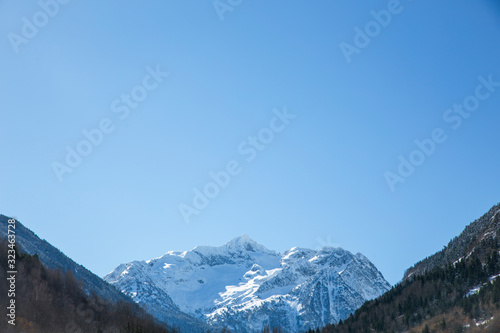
{"x":244,"y":286}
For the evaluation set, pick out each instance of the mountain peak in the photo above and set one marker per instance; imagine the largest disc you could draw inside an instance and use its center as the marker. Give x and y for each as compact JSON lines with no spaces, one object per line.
{"x":244,"y":243}
{"x":240,"y":246}
{"x":244,"y":238}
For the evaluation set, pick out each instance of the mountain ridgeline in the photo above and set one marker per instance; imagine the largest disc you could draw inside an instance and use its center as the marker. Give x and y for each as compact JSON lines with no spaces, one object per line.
{"x":245,"y":287}
{"x":471,"y":239}
{"x":52,"y":258}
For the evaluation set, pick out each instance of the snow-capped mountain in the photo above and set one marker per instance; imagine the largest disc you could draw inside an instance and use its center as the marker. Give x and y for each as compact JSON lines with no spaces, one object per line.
{"x":244,"y":286}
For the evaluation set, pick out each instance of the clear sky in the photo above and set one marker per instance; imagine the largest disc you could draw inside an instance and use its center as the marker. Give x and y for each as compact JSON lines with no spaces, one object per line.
{"x":361,"y":87}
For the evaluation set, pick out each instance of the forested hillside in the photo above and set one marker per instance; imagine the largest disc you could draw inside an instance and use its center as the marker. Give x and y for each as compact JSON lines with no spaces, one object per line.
{"x":440,"y":295}
{"x":48,"y":301}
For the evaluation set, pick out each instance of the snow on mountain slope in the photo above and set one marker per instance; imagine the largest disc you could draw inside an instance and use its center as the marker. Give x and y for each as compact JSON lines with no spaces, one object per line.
{"x":244,"y":286}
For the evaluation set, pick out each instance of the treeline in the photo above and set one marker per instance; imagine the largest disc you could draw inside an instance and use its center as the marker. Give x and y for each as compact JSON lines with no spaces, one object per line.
{"x":52,"y":301}
{"x":436,"y":301}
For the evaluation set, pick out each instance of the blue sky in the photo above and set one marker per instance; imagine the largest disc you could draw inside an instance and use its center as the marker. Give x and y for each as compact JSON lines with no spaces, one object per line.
{"x":319,"y":180}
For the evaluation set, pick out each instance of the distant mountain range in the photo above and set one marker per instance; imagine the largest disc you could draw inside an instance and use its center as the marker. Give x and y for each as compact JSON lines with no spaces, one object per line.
{"x":246,"y":287}
{"x":242,"y":286}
